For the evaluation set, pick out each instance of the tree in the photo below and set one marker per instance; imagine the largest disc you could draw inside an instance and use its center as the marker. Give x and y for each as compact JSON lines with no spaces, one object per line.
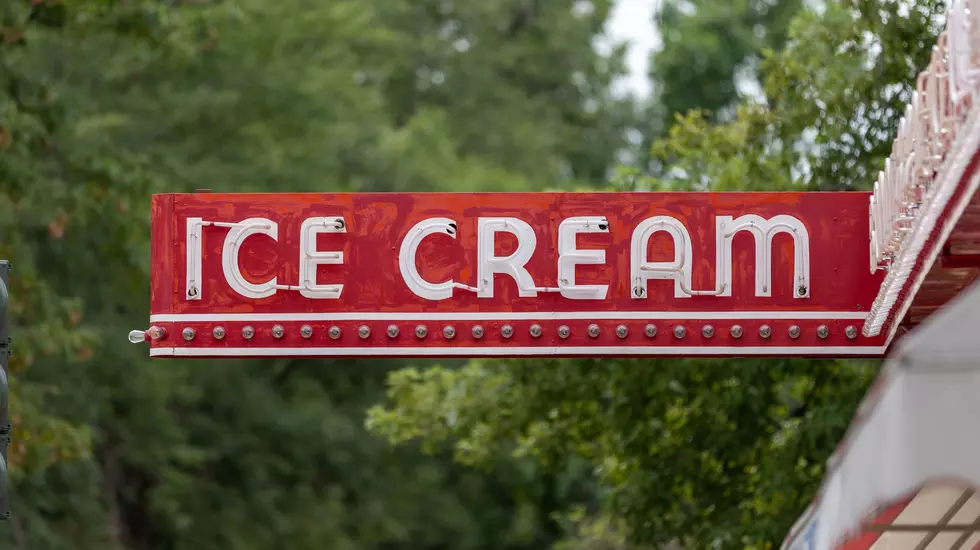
{"x":50,"y":191}
{"x":719,"y":453}
{"x":709,"y":60}
{"x":708,"y":47}
{"x":112,"y":101}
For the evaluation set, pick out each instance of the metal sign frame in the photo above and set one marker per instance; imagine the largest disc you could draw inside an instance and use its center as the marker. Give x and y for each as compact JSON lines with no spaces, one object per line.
{"x":510,"y":274}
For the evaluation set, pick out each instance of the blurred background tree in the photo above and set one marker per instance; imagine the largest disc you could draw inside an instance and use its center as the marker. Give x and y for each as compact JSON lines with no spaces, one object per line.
{"x":707,"y":453}
{"x":109,"y":102}
{"x":710,"y":55}
{"x":105,"y":102}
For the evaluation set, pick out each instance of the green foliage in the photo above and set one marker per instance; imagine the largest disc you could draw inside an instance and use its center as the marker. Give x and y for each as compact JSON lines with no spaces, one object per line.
{"x":591,"y":533}
{"x":106,"y":102}
{"x":710,"y":453}
{"x":709,"y":46}
{"x":824,"y":126}
{"x":702,"y":450}
{"x":55,"y":192}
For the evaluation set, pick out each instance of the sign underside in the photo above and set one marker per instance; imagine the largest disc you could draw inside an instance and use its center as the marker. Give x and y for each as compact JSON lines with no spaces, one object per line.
{"x":511,"y":274}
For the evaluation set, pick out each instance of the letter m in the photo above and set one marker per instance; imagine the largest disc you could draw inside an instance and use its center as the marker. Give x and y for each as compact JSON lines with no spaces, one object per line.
{"x":763,"y":230}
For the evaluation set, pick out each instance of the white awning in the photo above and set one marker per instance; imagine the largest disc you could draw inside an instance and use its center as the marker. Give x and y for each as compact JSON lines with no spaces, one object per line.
{"x":905,"y":475}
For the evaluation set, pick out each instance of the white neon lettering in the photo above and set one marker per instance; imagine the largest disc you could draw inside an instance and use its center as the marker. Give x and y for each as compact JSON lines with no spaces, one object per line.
{"x":409,"y":249}
{"x":310,"y":257}
{"x":764,"y":231}
{"x":570,"y":256}
{"x":192,"y":281}
{"x":679,"y":269}
{"x":489,"y":263}
{"x":229,"y":257}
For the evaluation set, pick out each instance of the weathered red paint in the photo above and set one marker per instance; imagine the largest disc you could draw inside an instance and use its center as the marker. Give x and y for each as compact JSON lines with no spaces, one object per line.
{"x":163,"y":245}
{"x":874,"y":529}
{"x":837,"y":224}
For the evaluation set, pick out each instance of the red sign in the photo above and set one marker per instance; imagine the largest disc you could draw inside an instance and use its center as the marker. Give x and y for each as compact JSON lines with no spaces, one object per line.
{"x":511,"y":274}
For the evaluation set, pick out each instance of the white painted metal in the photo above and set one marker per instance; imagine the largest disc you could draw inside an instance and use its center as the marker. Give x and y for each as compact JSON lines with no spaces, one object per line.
{"x":935,"y":142}
{"x":916,"y":429}
{"x":506,"y":316}
{"x":478,"y":351}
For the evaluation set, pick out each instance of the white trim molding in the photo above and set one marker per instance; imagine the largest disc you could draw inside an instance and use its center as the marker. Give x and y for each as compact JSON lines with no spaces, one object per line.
{"x":936,"y":142}
{"x":476,"y":351}
{"x":507,"y":316}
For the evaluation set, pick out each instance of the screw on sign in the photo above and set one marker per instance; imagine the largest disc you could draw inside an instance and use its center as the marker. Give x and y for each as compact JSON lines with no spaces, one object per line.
{"x":520,"y":274}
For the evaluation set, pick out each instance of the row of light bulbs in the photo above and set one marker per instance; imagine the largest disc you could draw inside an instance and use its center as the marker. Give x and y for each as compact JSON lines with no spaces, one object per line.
{"x":506,"y":331}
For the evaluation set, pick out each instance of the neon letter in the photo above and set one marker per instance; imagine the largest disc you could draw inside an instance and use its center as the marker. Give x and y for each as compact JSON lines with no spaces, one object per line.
{"x":229,"y":257}
{"x":310,"y":257}
{"x":679,"y":269}
{"x":569,"y":256}
{"x":513,"y":265}
{"x":192,"y":282}
{"x":764,"y":230}
{"x":406,"y":259}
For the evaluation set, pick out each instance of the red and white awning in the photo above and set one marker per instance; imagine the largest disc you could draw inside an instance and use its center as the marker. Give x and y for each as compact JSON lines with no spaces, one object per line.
{"x":907,"y":476}
{"x":904,"y":477}
{"x":924,"y":212}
